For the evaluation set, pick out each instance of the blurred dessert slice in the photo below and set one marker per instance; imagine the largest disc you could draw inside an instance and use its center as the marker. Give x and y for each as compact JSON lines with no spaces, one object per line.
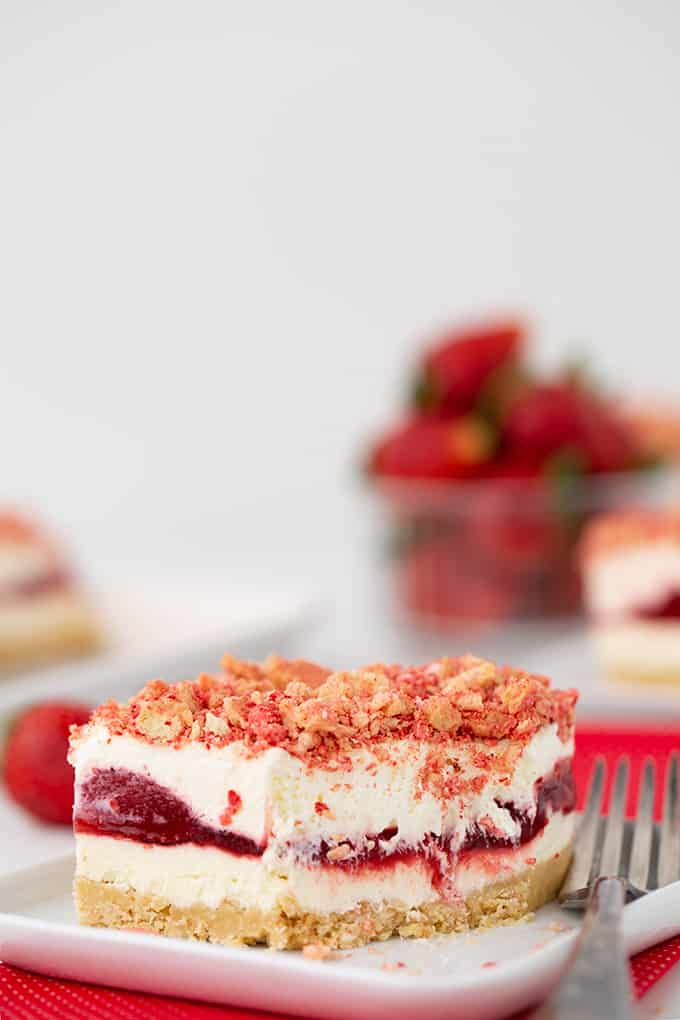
{"x":656,"y":430}
{"x":44,"y":615}
{"x":631,"y":573}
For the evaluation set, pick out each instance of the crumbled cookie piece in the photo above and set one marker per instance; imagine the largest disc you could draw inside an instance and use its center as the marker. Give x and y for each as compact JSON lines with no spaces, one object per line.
{"x":320,"y":716}
{"x":318,"y":951}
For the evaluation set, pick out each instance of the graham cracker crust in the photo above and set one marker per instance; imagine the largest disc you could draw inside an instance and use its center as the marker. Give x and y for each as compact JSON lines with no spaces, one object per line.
{"x":68,"y":633}
{"x":630,"y":675}
{"x":104,"y":904}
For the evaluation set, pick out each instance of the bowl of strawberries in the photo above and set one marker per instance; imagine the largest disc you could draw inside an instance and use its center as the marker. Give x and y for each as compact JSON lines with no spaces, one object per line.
{"x":490,"y":474}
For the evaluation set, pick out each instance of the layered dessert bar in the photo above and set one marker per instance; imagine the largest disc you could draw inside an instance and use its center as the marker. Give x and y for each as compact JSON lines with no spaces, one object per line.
{"x":288,"y":805}
{"x":631,"y":574}
{"x":43,"y":613}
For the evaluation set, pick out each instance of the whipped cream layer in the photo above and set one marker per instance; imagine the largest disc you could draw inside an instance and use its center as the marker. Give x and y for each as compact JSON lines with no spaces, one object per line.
{"x":632,"y":578}
{"x":290,"y":808}
{"x":189,"y":875}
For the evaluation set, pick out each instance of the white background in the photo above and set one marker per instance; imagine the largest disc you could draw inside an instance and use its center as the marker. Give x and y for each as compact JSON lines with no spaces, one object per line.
{"x":225,"y":227}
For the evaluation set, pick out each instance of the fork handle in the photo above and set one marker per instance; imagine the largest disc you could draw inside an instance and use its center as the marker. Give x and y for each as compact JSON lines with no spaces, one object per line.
{"x":596,"y":983}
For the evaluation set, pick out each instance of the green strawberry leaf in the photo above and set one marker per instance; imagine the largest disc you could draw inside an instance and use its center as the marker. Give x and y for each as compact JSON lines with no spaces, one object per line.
{"x":565,"y":470}
{"x":424,"y":393}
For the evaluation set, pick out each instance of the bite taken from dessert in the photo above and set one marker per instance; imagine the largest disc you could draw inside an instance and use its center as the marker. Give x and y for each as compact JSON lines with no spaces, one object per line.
{"x":44,"y":615}
{"x":289,"y":805}
{"x":631,"y":572}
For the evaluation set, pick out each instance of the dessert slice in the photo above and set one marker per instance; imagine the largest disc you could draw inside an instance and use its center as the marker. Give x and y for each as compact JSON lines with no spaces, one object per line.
{"x":287,"y":805}
{"x":631,"y":572}
{"x":43,"y":614}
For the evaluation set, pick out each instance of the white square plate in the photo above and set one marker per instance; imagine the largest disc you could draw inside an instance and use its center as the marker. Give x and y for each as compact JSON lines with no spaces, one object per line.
{"x":474,"y":976}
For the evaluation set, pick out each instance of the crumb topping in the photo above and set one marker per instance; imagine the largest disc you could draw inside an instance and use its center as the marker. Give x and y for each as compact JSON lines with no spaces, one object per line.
{"x":22,"y":533}
{"x":614,"y":531}
{"x":234,"y":805}
{"x":319,"y":716}
{"x":318,"y":951}
{"x":17,"y":529}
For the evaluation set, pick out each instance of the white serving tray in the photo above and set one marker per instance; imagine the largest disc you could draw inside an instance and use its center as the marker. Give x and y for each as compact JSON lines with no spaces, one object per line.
{"x":475,"y":976}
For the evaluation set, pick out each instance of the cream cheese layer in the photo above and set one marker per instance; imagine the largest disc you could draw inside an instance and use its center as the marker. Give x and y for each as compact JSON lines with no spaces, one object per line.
{"x":276,"y":801}
{"x":188,"y":875}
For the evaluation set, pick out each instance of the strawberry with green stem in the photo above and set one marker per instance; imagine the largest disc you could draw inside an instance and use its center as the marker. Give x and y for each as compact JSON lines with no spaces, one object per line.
{"x":457,"y":368}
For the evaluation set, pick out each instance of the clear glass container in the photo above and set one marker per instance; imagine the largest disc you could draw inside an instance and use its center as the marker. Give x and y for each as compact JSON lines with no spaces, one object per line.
{"x":499,"y":550}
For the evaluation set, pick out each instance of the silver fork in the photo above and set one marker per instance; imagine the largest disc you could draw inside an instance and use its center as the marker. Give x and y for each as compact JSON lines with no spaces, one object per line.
{"x":614,"y":861}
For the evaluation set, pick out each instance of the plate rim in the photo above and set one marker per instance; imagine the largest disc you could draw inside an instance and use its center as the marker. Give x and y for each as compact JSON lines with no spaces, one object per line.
{"x":522,"y":980}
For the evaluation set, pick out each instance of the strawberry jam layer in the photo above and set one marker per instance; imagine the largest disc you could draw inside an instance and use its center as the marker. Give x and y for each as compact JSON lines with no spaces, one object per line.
{"x":666,"y":609}
{"x":119,"y":803}
{"x":45,"y":583}
{"x":554,"y":793}
{"x":116,"y":802}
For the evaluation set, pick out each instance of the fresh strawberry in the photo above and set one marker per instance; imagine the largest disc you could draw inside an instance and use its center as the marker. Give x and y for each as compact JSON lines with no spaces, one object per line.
{"x":567,"y":417}
{"x":606,"y":440}
{"x":37,"y":774}
{"x":472,"y":441}
{"x":513,"y":464}
{"x":417,"y":449}
{"x":544,"y":419}
{"x":433,"y":448}
{"x":456,"y":369}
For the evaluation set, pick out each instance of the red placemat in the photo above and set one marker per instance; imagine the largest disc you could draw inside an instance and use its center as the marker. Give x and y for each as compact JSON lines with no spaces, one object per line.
{"x":26,"y":996}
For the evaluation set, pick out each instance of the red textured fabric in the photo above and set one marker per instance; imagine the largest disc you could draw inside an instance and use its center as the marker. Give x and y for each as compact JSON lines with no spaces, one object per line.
{"x":655,"y":742}
{"x":26,"y":996}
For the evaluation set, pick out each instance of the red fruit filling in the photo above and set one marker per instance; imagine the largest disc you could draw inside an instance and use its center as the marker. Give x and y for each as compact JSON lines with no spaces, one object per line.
{"x":52,"y":580}
{"x":554,"y":793}
{"x":666,"y":609}
{"x":116,"y":802}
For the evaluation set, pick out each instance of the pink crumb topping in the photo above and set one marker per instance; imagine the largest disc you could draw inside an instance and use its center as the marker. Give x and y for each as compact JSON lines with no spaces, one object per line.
{"x":612,"y":532}
{"x":234,"y":804}
{"x":317,"y":951}
{"x":319,"y":716}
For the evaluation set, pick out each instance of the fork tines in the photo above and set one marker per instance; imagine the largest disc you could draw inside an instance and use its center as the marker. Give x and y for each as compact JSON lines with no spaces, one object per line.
{"x":646,"y":855}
